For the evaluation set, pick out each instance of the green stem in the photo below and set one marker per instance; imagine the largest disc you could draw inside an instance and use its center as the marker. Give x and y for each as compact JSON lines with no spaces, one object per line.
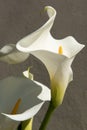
{"x":47,"y":117}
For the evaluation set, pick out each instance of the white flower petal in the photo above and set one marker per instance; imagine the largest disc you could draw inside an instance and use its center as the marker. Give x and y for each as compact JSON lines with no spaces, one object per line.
{"x":26,"y":115}
{"x":25,"y":73}
{"x":55,"y":64}
{"x":50,"y":60}
{"x":63,"y":74}
{"x":70,"y":46}
{"x":45,"y":94}
{"x":11,"y":55}
{"x":41,"y":38}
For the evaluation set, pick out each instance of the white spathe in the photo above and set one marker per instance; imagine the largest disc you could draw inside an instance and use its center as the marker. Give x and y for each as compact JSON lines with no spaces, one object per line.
{"x":42,"y":45}
{"x":42,"y":39}
{"x":11,"y":55}
{"x":32,"y":94}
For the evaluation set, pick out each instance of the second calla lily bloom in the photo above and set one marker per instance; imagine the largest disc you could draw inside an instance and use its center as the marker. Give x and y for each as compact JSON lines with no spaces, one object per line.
{"x":20,"y":99}
{"x":57,"y":55}
{"x":11,"y":55}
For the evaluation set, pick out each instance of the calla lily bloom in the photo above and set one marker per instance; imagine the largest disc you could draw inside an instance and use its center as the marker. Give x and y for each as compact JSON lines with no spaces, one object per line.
{"x":57,"y":55}
{"x":20,"y":99}
{"x":11,"y":55}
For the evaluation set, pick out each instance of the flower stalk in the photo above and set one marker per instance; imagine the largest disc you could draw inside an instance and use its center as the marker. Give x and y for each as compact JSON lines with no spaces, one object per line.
{"x":47,"y":117}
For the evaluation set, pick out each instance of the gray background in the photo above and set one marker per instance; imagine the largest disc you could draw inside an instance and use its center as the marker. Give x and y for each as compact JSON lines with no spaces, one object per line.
{"x":21,"y":17}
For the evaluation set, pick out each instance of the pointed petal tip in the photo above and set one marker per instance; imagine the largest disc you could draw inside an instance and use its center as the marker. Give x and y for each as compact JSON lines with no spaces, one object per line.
{"x":50,"y":10}
{"x":80,"y":46}
{"x":74,"y":39}
{"x":72,"y":46}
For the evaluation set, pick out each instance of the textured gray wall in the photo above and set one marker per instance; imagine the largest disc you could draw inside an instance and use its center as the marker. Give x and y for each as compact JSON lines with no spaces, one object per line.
{"x":21,"y":17}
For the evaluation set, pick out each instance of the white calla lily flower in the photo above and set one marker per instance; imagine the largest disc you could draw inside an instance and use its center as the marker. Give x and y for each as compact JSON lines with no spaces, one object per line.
{"x":20,"y":99}
{"x":11,"y":55}
{"x":57,"y":55}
